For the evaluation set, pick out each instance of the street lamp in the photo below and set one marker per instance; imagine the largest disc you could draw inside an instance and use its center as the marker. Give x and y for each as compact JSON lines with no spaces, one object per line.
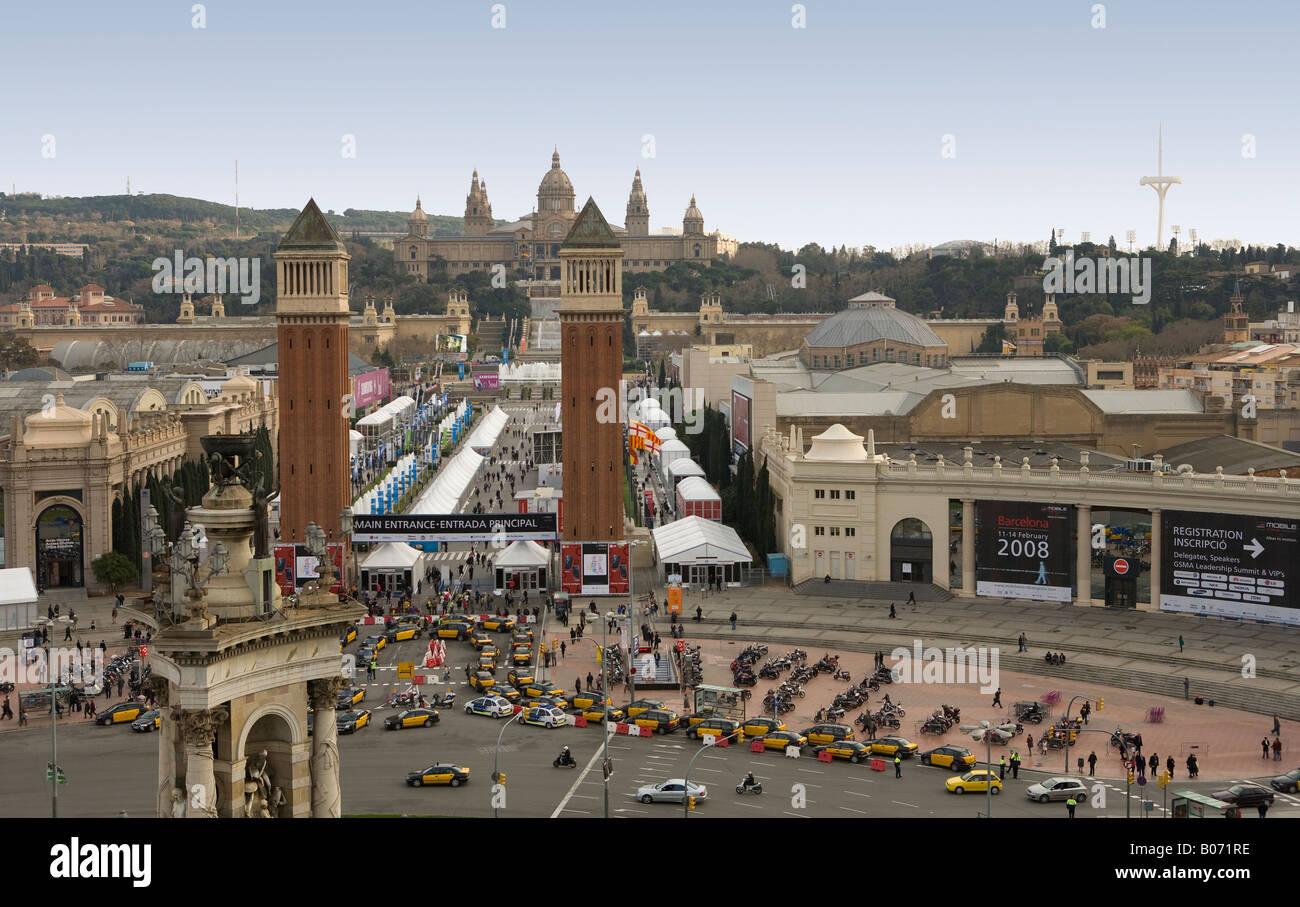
{"x":496,"y":756}
{"x":985,"y":733}
{"x":686,"y":782}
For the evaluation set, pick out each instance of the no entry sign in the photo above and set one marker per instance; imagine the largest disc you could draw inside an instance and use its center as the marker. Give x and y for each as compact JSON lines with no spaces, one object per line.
{"x":1121,"y":566}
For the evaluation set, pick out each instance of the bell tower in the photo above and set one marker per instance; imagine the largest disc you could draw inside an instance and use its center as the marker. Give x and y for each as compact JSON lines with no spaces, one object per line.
{"x":637,"y":220}
{"x":312,"y":312}
{"x":591,"y":334}
{"x":1236,"y":324}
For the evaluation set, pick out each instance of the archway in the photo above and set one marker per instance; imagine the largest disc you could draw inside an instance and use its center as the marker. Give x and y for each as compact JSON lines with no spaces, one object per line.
{"x":273,"y":731}
{"x":59,"y":554}
{"x":911,"y":552}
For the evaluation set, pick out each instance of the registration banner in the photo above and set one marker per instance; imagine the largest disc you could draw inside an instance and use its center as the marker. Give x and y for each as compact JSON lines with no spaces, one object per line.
{"x":454,"y":527}
{"x":1023,"y":550}
{"x":619,"y":584}
{"x":1230,"y":565}
{"x":571,"y":569}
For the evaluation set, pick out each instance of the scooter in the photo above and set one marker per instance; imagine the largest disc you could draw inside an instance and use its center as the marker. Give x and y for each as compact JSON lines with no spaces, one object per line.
{"x":563,"y":761}
{"x":448,"y":699}
{"x":745,"y":786}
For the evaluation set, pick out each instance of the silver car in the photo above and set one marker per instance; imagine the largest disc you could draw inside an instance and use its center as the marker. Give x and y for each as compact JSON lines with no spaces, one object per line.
{"x":1062,"y":788}
{"x":671,"y":791}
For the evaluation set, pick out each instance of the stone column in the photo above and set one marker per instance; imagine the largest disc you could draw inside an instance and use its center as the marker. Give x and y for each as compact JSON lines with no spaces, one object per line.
{"x":166,"y":747}
{"x":326,"y":796}
{"x":1083,"y":554}
{"x":968,"y":546}
{"x":198,"y":730}
{"x":1155,"y":561}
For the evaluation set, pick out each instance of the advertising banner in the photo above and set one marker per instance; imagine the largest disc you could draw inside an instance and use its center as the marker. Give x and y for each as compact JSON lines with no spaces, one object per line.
{"x":286,"y":568}
{"x":454,"y":527}
{"x":740,"y":416}
{"x":370,"y":388}
{"x":619,"y":583}
{"x":571,"y":569}
{"x":305,"y":566}
{"x":486,"y":382}
{"x":1023,"y":550}
{"x":1230,"y":565}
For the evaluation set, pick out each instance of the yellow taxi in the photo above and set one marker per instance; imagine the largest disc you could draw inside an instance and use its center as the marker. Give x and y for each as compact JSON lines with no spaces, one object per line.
{"x":482,"y":680}
{"x":779,"y":740}
{"x":490,"y":651}
{"x":453,"y":629}
{"x":376,"y":643}
{"x":978,"y":780}
{"x":541,"y":688}
{"x":401,"y":633}
{"x":350,"y":697}
{"x":586,"y":698}
{"x":411,"y":718}
{"x":522,"y":635}
{"x":450,"y":775}
{"x":853,"y":750}
{"x":122,"y":713}
{"x":596,"y":712}
{"x":641,"y":705}
{"x":499,"y":624}
{"x":821,"y":734}
{"x":521,"y":655}
{"x":957,"y":758}
{"x":715,"y":726}
{"x":348,"y":636}
{"x":353,"y":720}
{"x":480,"y":640}
{"x":521,"y":676}
{"x":661,"y":721}
{"x":487,"y":663}
{"x":758,"y":726}
{"x":892,"y":746}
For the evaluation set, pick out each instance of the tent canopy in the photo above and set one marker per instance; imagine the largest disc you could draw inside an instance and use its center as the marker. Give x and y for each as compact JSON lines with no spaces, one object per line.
{"x":693,"y":540}
{"x":694,"y":488}
{"x":391,"y":556}
{"x":522,"y":555}
{"x":667,"y":433}
{"x":444,"y":492}
{"x":685,"y":466}
{"x":17,"y":586}
{"x":485,"y":434}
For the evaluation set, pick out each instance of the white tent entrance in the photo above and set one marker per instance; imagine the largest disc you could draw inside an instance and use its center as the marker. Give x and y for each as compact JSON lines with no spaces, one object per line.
{"x":522,"y":565}
{"x":701,"y":551}
{"x":392,"y":566}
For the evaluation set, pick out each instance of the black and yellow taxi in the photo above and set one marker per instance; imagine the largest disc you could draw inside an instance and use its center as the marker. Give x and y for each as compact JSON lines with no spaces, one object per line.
{"x":374,"y":643}
{"x":499,"y":624}
{"x":521,"y":655}
{"x":348,"y":636}
{"x":487,"y":663}
{"x":149,"y":721}
{"x":596,"y":712}
{"x":716,"y":726}
{"x":541,"y":688}
{"x":758,"y":726}
{"x":480,"y":640}
{"x":661,"y":721}
{"x":352,"y":720}
{"x":442,"y":773}
{"x":453,"y":629}
{"x":521,"y":676}
{"x":586,"y":698}
{"x":122,"y":713}
{"x":350,"y":697}
{"x":411,"y":718}
{"x":482,"y":680}
{"x":490,"y":650}
{"x":892,"y":746}
{"x":638,"y":706}
{"x":821,"y":734}
{"x":781,"y":740}
{"x":853,"y":750}
{"x":402,"y":632}
{"x":522,"y":635}
{"x":689,"y":721}
{"x":951,"y":756}
{"x":506,"y":691}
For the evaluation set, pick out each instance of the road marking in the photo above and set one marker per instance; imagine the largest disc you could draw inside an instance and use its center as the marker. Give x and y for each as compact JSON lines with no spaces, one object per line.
{"x":900,"y":803}
{"x":852,"y":810}
{"x":811,"y":771}
{"x":716,"y":771}
{"x":853,"y":793}
{"x":719,"y":758}
{"x":748,"y":805}
{"x":583,"y":811}
{"x":796,"y":815}
{"x":861,"y":778}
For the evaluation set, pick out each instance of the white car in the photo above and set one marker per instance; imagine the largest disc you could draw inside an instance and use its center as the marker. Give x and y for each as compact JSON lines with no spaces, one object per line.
{"x":492,"y":706}
{"x":1062,"y":788}
{"x":545,"y":716}
{"x":671,"y":791}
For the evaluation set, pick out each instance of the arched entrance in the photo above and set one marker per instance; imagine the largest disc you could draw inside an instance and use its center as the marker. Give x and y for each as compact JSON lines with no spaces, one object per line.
{"x":59,"y":537}
{"x":272,"y":732}
{"x":911,"y":552}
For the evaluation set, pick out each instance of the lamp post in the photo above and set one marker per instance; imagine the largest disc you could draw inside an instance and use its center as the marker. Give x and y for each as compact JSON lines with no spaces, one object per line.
{"x":604,"y":699}
{"x":986,"y":733}
{"x":496,"y":755}
{"x":345,"y":529}
{"x":686,"y":781}
{"x":1068,"y":706}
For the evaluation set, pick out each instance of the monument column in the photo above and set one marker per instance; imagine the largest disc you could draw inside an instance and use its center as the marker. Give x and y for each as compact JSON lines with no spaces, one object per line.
{"x":968,"y":546}
{"x":198,"y":729}
{"x":166,"y":747}
{"x":326,"y":797}
{"x":1083,"y":554}
{"x":1155,"y":560}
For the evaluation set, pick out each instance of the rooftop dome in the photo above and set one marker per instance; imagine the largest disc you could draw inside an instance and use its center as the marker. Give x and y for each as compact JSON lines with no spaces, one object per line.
{"x":556,"y":181}
{"x":418,"y":213}
{"x":866,"y":323}
{"x":837,"y":443}
{"x":692,"y":212}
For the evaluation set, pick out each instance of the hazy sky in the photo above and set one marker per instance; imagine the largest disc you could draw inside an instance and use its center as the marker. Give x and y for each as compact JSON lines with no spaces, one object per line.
{"x":831,"y":133}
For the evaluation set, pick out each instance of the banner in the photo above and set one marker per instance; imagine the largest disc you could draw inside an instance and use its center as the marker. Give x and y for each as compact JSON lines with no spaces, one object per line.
{"x":454,"y":527}
{"x":619,"y":583}
{"x":1023,"y":550}
{"x":486,"y":382}
{"x":595,"y":568}
{"x":285,"y":568}
{"x":741,"y":407}
{"x":1230,"y":565}
{"x":370,"y":388}
{"x":571,"y":569}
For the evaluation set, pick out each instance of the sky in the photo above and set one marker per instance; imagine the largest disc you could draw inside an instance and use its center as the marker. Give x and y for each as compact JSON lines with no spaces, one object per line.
{"x":873,"y":123}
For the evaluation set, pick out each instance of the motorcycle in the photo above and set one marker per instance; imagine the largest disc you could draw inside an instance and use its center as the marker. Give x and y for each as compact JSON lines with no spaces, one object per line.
{"x":565,"y":761}
{"x":745,"y":786}
{"x":843,"y":675}
{"x":448,"y":699}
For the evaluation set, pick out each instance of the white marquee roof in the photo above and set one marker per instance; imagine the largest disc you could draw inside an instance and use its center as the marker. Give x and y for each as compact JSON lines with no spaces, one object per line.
{"x":685,"y":466}
{"x":391,"y":556}
{"x":17,"y":586}
{"x":693,"y":540}
{"x":522,"y":554}
{"x":696,"y":488}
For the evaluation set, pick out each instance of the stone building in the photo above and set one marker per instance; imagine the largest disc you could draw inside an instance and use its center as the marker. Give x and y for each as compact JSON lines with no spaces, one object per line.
{"x":90,"y":306}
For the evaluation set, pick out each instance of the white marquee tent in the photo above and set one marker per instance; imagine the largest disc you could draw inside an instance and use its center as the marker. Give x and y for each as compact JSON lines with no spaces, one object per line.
{"x":17,"y":599}
{"x":700,"y":550}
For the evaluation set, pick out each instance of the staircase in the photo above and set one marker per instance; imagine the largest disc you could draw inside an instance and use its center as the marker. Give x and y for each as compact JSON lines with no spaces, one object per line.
{"x":491,"y":336}
{"x":843,"y":588}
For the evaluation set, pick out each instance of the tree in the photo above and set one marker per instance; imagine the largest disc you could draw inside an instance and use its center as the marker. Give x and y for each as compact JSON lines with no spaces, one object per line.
{"x":1057,"y":343}
{"x":114,"y":570}
{"x":992,"y":342}
{"x":663,"y":377}
{"x":16,"y":352}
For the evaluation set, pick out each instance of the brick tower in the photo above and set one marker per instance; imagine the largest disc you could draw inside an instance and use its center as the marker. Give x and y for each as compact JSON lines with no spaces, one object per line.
{"x":591,"y":331}
{"x":312,"y":311}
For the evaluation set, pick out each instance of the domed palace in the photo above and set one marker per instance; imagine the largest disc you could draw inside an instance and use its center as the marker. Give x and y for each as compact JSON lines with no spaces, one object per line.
{"x":529,"y":246}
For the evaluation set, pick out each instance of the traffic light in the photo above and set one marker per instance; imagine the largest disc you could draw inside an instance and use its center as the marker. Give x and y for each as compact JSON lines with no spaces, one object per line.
{"x":500,"y":778}
{"x":1130,"y":777}
{"x":690,"y":801}
{"x":1164,"y":779}
{"x":1101,"y":704}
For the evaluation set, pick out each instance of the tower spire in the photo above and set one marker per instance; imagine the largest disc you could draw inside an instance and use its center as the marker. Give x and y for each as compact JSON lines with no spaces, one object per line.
{"x":1160,"y":183}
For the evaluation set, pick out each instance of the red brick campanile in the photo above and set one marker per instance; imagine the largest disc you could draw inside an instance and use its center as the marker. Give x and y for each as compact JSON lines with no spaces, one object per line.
{"x":591,"y":332}
{"x":312,"y":311}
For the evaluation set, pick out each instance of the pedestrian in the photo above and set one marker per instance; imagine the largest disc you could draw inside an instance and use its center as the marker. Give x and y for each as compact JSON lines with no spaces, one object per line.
{"x":589,"y":679}
{"x":1193,"y":767}
{"x":1092,"y":763}
{"x":1029,"y":742}
{"x":573,"y":634}
{"x":1264,"y":746}
{"x":114,"y":614}
{"x":1002,"y":768}
{"x":1085,"y":711}
{"x":1154,"y":763}
{"x":1070,"y":804}
{"x":563,"y":647}
{"x":1277,"y":749}
{"x":656,"y":660}
{"x":898,"y":767}
{"x":1169,"y":764}
{"x":67,"y":633}
{"x":120,"y":685}
{"x":1277,"y":726}
{"x":911,"y":598}
{"x":997,"y":699}
{"x":1015,"y":765}
{"x":1187,"y":686}
{"x":577,"y":684}
{"x":892,"y":612}
{"x":1180,"y":642}
{"x":1023,"y":646}
{"x":22,"y":716}
{"x":7,"y":711}
{"x":733,"y":620}
{"x":1263,"y":809}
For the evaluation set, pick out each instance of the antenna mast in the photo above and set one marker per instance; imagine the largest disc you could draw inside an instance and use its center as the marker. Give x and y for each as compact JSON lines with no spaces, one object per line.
{"x":236,"y":200}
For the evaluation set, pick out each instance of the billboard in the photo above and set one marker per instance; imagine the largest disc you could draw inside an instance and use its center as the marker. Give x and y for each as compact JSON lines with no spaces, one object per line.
{"x":594,"y":568}
{"x":454,"y":527}
{"x":294,"y":567}
{"x":452,"y":343}
{"x":285,"y":568}
{"x":370,"y":388}
{"x":1230,"y":565}
{"x":741,"y":407}
{"x":486,"y":382}
{"x":1023,"y":550}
